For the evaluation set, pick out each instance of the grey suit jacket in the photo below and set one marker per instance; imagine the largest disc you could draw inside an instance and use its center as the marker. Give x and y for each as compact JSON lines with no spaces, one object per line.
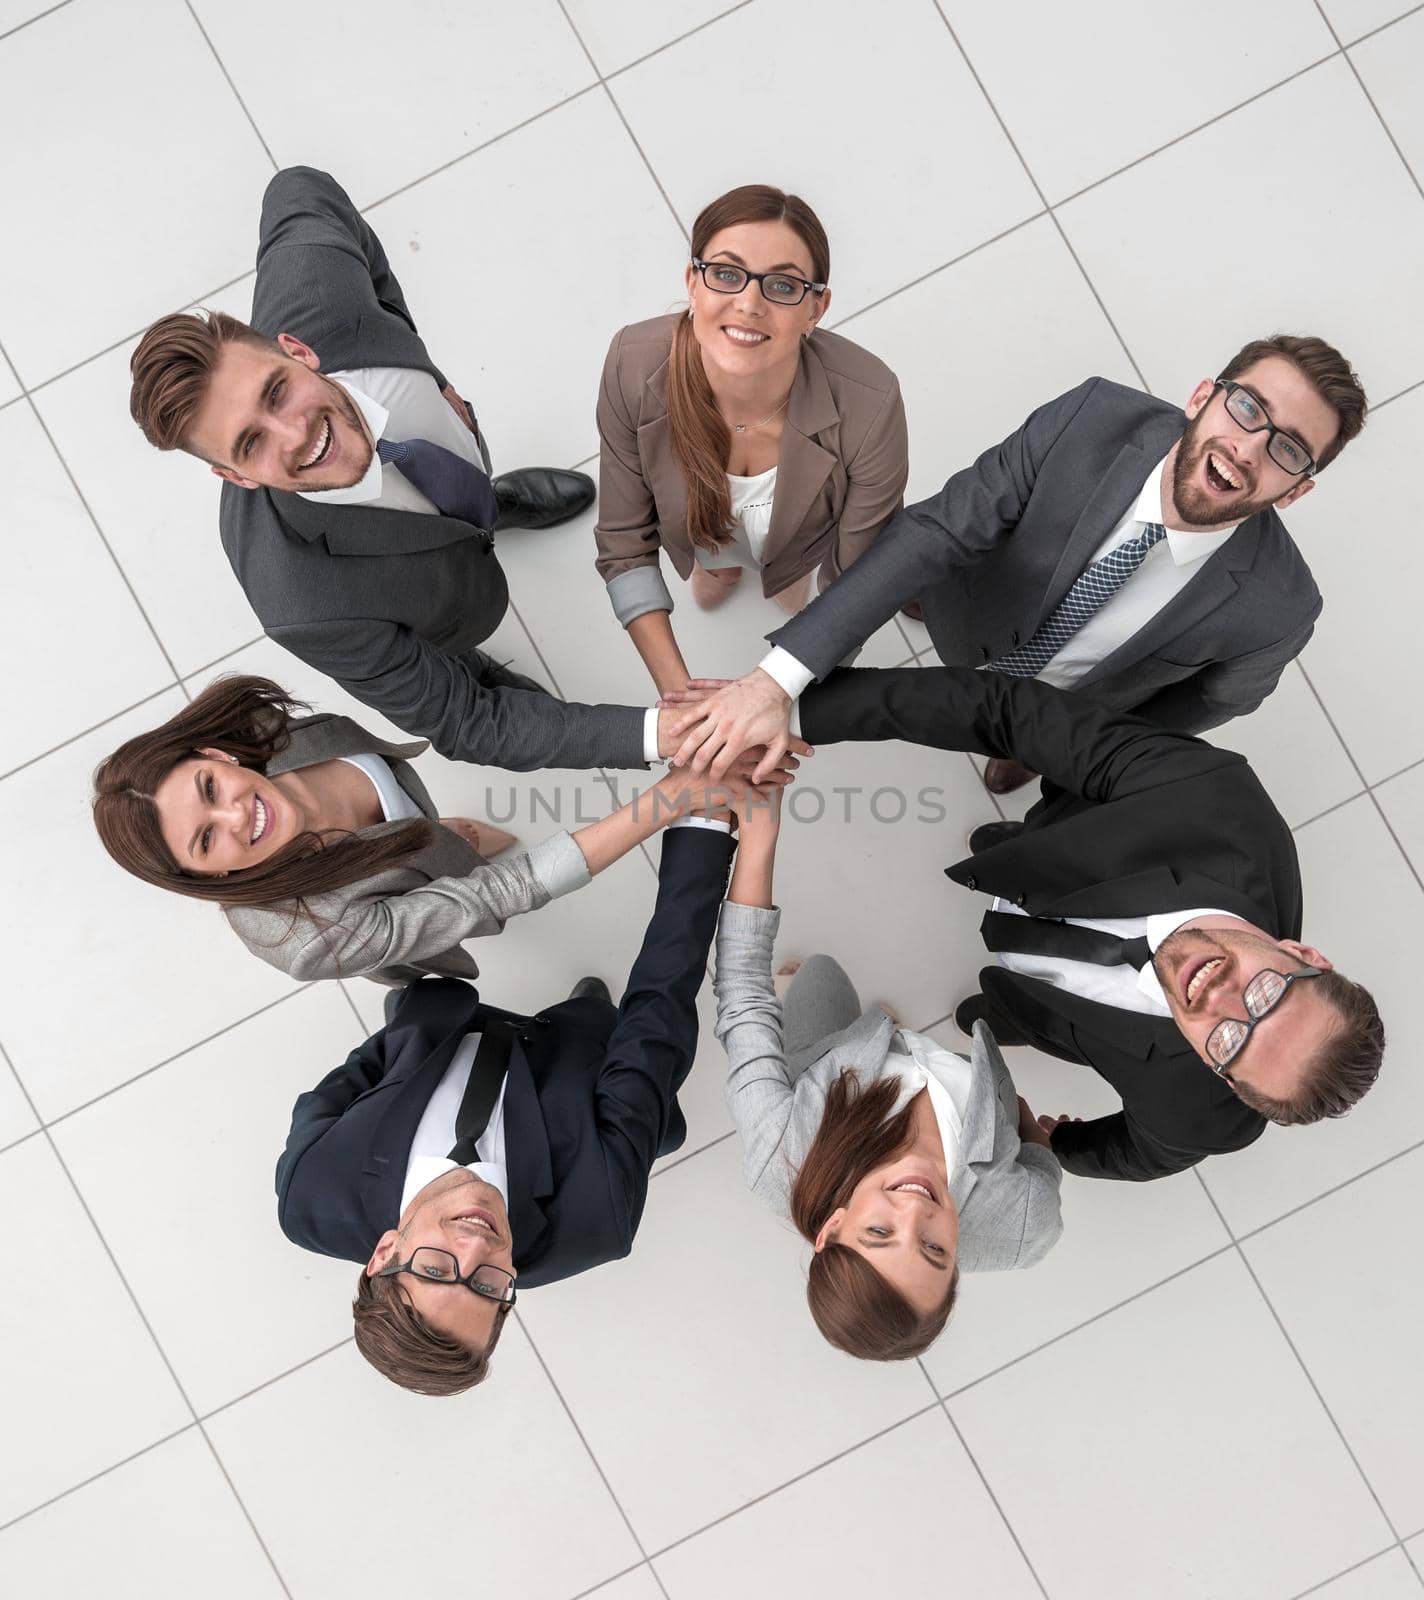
{"x":388,"y":603}
{"x":1006,"y":1192}
{"x":407,"y":921}
{"x":994,"y":552}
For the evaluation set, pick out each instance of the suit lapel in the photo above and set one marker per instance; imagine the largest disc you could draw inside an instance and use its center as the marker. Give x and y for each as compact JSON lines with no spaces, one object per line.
{"x":980,"y":1121}
{"x":803,"y":465}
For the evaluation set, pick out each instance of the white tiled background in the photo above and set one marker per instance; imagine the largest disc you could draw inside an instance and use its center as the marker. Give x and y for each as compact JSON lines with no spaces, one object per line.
{"x":1213,"y":1387}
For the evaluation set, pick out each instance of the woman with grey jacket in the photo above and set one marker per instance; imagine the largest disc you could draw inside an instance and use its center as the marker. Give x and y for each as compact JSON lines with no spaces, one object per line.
{"x":322,"y":845}
{"x":899,"y":1161}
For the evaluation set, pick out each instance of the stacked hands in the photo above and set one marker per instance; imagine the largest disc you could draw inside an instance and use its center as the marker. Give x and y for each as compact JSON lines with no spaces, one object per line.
{"x":740,"y":438}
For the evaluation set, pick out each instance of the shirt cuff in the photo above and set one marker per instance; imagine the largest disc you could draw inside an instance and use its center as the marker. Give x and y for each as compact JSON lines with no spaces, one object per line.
{"x":559,"y":865}
{"x":714,"y":823}
{"x":781,"y":666}
{"x":637,"y":590}
{"x":650,"y":736}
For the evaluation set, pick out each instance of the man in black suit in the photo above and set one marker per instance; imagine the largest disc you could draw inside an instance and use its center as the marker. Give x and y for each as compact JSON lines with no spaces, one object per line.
{"x":1147,"y":916}
{"x":358,"y":510}
{"x":1116,"y":545}
{"x":462,"y":1147}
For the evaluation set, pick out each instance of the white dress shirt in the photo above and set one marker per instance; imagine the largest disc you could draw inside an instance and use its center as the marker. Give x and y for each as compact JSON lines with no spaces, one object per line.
{"x":924,"y":1064}
{"x":1128,"y":988}
{"x":751,"y":502}
{"x":403,"y":403}
{"x":435,"y":1132}
{"x":1166,"y":570}
{"x":396,"y":804}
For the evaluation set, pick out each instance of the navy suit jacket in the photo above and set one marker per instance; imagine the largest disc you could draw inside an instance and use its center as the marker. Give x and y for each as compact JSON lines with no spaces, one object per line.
{"x":590,"y":1104}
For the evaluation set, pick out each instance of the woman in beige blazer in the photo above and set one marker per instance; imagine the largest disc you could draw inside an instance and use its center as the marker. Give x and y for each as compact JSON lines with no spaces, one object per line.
{"x":322,"y":845}
{"x":738,"y":434}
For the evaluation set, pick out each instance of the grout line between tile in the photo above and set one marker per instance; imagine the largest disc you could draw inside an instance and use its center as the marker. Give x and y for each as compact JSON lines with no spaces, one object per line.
{"x":1370,"y":101}
{"x":39,"y":16}
{"x":627,"y":126}
{"x":994,"y":1499}
{"x":1039,"y":191}
{"x":267,"y":1383}
{"x":583,"y":1440}
{"x":682,"y":1157}
{"x":227,"y":655}
{"x":237,"y":94}
{"x":94,"y":1477}
{"x":1260,"y":1228}
{"x":603,"y":1583}
{"x":152,"y":1333}
{"x":1339,"y":805}
{"x":1355,"y":1566}
{"x":1399,"y":394}
{"x":83,"y":733}
{"x":700,"y":28}
{"x":766,"y":1494}
{"x":1350,"y":45}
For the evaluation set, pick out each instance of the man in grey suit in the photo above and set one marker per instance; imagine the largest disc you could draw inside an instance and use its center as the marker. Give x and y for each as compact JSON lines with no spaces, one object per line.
{"x":358,"y":510}
{"x":1114,"y":545}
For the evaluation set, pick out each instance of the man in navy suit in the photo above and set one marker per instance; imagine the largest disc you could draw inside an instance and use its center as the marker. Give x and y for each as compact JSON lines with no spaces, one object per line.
{"x":462,"y":1147}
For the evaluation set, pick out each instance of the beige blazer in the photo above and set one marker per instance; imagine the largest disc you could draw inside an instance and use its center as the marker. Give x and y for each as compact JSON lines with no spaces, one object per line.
{"x":407,"y":921}
{"x":840,"y":477}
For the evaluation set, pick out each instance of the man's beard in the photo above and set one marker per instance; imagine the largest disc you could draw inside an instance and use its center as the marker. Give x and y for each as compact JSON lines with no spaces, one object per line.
{"x":345,"y":407}
{"x":1194,"y":506}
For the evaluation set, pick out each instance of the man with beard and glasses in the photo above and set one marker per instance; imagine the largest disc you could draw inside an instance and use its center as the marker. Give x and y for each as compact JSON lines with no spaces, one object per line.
{"x":1113,"y":546}
{"x":358,"y":507}
{"x":1146,"y":919}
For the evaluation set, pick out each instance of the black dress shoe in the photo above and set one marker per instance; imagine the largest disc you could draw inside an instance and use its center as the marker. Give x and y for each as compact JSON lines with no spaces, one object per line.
{"x":590,"y":986}
{"x":988,"y":834}
{"x":497,"y":675}
{"x":1002,"y":776}
{"x":978,"y":1007}
{"x":538,"y":497}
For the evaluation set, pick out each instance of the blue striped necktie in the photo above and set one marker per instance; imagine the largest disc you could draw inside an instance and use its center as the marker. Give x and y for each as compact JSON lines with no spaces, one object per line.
{"x":1092,"y":591}
{"x":453,"y":485}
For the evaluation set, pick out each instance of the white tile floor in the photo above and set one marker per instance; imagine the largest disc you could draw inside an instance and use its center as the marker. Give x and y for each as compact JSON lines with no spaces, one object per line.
{"x":1213,"y":1388}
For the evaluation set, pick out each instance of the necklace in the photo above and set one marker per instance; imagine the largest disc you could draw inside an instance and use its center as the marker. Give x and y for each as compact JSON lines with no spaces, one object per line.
{"x":741,"y":427}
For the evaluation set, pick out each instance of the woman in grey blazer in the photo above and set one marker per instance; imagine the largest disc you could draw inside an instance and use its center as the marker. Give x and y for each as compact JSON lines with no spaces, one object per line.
{"x":321,"y":843}
{"x":740,"y":435}
{"x":900,"y":1162}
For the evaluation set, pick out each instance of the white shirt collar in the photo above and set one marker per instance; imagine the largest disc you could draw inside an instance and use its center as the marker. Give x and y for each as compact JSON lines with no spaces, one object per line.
{"x":1185,"y":547}
{"x":369,"y":488}
{"x":426,"y":1169}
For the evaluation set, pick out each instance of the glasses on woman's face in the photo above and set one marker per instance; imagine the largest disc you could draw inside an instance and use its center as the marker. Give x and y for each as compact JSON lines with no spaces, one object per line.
{"x":1260,"y":997}
{"x":440,"y":1266}
{"x":724,"y":278}
{"x":1247,"y":412}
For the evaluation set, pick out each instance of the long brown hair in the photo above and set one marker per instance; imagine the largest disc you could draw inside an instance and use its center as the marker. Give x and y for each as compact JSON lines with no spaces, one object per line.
{"x":249,"y":718}
{"x":700,"y":440}
{"x":856,"y":1309}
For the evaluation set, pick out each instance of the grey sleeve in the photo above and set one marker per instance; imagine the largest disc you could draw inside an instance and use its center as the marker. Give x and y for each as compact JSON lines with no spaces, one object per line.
{"x":441,"y":698}
{"x":637,"y":590}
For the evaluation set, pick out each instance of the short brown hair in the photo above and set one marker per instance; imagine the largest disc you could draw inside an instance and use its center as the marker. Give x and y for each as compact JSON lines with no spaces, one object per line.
{"x":172,"y":366}
{"x":401,"y":1344}
{"x":1344,"y":1067}
{"x":856,"y":1309}
{"x":1325,"y":369}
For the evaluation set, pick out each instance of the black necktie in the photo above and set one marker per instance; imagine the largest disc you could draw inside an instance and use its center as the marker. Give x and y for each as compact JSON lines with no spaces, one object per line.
{"x":486,"y":1076}
{"x":1038,"y":936}
{"x":452,"y":485}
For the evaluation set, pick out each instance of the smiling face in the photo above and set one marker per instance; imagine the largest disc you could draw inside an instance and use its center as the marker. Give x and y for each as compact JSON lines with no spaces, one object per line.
{"x":745,"y":336}
{"x":460,"y":1213}
{"x":269,"y":419}
{"x":1203,"y":969}
{"x":218,"y":817}
{"x":1221,"y":473}
{"x":901,"y":1218}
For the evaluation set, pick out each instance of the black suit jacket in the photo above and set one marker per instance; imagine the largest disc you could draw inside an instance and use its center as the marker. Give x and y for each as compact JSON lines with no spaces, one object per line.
{"x":1000,"y":545}
{"x":1134,"y":821}
{"x":590,"y":1104}
{"x":389,"y":603}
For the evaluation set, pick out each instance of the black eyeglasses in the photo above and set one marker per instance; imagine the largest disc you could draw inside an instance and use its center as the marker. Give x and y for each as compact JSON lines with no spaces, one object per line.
{"x":1261,"y":996}
{"x":1247,"y":412}
{"x":440,"y":1266}
{"x":723,"y":278}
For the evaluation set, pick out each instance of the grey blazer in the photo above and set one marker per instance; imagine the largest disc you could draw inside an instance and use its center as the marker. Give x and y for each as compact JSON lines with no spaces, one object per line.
{"x":391,"y":604}
{"x":994,"y":552}
{"x":1006,"y":1192}
{"x":409,"y":920}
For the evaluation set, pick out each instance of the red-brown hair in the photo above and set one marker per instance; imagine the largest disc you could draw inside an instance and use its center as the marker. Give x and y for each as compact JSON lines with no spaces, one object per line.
{"x":856,"y":1309}
{"x":1325,"y":369}
{"x":172,"y":366}
{"x":701,"y":444}
{"x":249,"y":718}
